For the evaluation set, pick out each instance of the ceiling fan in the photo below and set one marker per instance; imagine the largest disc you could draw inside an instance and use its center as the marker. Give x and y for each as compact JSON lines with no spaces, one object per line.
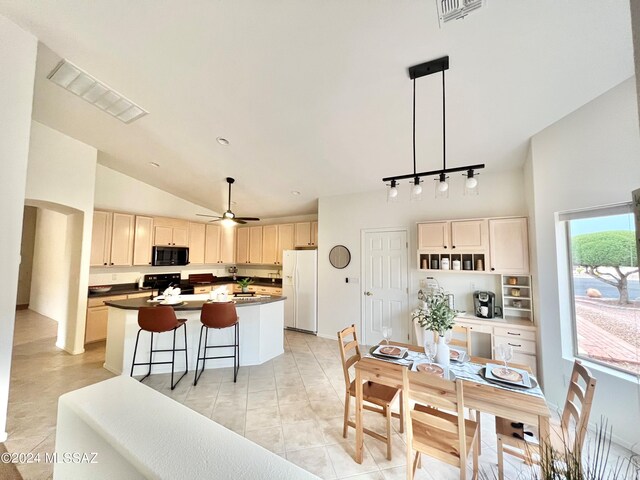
{"x":229,"y":216}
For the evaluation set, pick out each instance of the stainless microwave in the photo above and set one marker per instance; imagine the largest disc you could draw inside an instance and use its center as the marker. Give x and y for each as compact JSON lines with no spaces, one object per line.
{"x":169,"y":256}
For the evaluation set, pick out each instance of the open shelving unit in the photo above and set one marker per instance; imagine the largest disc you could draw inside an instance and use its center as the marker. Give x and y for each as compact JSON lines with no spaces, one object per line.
{"x":517,"y":298}
{"x":427,"y":262}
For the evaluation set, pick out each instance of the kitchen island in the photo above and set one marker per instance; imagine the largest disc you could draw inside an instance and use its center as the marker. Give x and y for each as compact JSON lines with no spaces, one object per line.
{"x":261,"y":321}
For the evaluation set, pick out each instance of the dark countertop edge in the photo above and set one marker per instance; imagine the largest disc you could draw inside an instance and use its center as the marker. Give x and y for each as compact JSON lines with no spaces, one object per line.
{"x":262,"y":282}
{"x":122,"y":289}
{"x":137,"y":303}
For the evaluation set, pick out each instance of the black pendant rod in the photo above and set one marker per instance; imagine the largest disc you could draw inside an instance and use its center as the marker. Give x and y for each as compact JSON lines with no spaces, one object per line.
{"x":414,"y":126}
{"x":435,"y":172}
{"x":444,"y":126}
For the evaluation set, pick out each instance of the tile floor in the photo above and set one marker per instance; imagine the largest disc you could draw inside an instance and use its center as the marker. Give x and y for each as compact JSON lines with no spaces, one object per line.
{"x":292,"y":405}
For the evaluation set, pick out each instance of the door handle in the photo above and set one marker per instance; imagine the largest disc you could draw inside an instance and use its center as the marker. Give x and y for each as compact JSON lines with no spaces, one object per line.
{"x":368,"y":294}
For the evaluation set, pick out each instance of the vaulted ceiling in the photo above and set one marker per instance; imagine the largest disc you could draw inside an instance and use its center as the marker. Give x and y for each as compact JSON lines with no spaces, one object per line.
{"x":314,"y":95}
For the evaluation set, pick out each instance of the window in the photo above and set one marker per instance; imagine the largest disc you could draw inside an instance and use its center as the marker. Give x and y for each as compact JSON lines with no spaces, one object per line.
{"x":606,"y":289}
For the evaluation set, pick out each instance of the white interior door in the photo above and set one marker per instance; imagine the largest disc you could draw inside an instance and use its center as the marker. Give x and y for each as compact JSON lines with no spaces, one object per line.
{"x":384,"y":286}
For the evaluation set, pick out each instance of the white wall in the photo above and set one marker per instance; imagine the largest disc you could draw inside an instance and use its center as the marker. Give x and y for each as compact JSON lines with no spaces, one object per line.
{"x":61,"y":177}
{"x":341,"y":220}
{"x":51,"y":275}
{"x":17,"y":71}
{"x":26,"y":255}
{"x":587,"y":159}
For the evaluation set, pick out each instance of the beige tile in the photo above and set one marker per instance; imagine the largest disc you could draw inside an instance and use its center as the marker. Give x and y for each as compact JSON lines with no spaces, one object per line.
{"x":343,"y":459}
{"x":269,"y":438}
{"x":237,"y":400}
{"x":366,"y":476}
{"x":264,"y":417}
{"x":315,"y":460}
{"x":328,"y":408}
{"x":400,"y":473}
{"x":268,"y":398}
{"x":378,"y":450}
{"x":302,"y":435}
{"x":261,"y":383}
{"x":296,"y":412}
{"x":291,"y":395}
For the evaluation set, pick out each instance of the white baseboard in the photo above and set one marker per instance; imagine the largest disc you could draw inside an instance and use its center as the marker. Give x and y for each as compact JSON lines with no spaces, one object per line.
{"x":3,"y":437}
{"x":71,"y":352}
{"x":330,"y":337}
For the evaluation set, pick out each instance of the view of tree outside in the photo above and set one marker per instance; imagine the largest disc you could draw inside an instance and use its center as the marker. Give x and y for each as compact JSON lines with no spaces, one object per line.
{"x":607,"y":290}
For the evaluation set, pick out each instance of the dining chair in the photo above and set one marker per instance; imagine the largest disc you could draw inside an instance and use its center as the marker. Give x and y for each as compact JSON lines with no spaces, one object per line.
{"x":380,"y":397}
{"x":514,"y":440}
{"x":431,"y":429}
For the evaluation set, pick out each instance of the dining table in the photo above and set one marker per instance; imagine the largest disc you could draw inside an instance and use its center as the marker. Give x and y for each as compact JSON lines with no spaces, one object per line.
{"x":528,"y":407}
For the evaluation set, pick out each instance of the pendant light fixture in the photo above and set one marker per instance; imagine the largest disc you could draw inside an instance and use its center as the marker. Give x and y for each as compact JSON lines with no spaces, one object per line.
{"x":441,"y":182}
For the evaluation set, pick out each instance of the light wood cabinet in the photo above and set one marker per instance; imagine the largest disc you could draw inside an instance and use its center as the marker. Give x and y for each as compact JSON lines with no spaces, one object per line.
{"x":112,"y":239}
{"x":303,"y":234}
{"x":469,"y":235}
{"x":212,"y":244}
{"x":255,"y":244}
{"x":98,"y":314}
{"x":433,"y":236}
{"x":286,"y":240}
{"x":142,"y":240}
{"x":122,"y":234}
{"x":314,"y":233}
{"x":242,"y":245}
{"x":196,"y":243}
{"x":270,"y":244}
{"x":227,"y":245}
{"x":509,"y":245}
{"x":101,"y":239}
{"x":171,"y":232}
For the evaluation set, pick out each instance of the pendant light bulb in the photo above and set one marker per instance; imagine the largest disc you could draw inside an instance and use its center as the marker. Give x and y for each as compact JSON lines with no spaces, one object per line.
{"x":417,"y":188}
{"x":443,"y":186}
{"x":393,"y":192}
{"x":471,"y":182}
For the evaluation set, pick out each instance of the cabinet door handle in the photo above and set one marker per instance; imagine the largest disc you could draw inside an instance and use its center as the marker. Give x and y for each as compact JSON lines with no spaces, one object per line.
{"x":493,"y":269}
{"x":453,"y":246}
{"x":512,"y":333}
{"x":445,"y":246}
{"x":514,"y":345}
{"x":111,"y":263}
{"x":105,"y":263}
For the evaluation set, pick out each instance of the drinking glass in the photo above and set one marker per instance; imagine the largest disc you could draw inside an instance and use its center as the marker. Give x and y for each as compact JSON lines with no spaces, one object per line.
{"x":430,"y":349}
{"x":387,"y":331}
{"x":505,"y":352}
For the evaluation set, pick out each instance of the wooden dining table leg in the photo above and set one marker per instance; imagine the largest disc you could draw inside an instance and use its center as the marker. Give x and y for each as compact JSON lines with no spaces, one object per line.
{"x":359,"y":425}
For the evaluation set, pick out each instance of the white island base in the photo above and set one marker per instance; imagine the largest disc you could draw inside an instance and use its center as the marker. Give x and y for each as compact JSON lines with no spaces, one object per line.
{"x":261,"y":337}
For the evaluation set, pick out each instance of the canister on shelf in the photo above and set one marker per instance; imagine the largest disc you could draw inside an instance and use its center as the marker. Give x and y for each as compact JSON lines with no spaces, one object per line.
{"x":455,"y":265}
{"x":516,"y":303}
{"x":515,"y":292}
{"x":512,"y":280}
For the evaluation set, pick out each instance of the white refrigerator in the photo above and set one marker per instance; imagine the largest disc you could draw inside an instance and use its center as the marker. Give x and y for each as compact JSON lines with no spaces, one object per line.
{"x":300,"y":286}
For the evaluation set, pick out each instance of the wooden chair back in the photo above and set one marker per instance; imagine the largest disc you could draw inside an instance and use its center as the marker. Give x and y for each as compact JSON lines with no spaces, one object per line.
{"x":577,"y":407}
{"x":462,"y":342}
{"x":349,"y":351}
{"x":436,"y":393}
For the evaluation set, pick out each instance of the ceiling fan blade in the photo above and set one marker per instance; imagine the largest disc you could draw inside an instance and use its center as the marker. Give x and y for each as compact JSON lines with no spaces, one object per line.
{"x":248,"y":219}
{"x":215,"y":220}
{"x":211,"y":216}
{"x":239,"y":220}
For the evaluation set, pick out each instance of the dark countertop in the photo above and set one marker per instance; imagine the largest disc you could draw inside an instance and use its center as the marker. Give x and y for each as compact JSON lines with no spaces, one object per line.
{"x":122,"y":289}
{"x":258,"y":281}
{"x":137,"y":303}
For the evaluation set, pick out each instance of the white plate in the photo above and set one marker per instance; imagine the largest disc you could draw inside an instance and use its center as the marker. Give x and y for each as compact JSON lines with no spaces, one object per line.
{"x":171,"y":302}
{"x":525,"y":382}
{"x":414,"y":368}
{"x":462,"y":356}
{"x":381,"y":351}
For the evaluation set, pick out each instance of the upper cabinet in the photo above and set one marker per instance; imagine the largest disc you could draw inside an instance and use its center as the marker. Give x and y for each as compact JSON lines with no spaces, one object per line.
{"x":255,"y":244}
{"x":171,"y":232}
{"x":220,"y":244}
{"x":496,"y":245}
{"x":509,"y":241}
{"x":306,"y":234}
{"x":286,"y":240}
{"x":196,"y":243}
{"x":143,"y":240}
{"x":112,"y":239}
{"x":270,"y":244}
{"x":242,"y":245}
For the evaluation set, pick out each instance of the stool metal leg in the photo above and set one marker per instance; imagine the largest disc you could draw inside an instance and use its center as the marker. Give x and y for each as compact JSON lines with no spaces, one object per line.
{"x":197,"y":375}
{"x":135,"y":349}
{"x":236,"y":354}
{"x":173,"y":357}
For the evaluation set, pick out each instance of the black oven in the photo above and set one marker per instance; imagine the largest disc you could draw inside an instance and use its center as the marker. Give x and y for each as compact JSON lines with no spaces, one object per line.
{"x":169,"y":256}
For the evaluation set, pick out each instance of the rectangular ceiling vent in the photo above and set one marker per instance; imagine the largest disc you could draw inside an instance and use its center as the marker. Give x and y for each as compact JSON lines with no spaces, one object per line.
{"x":449,"y":10}
{"x":83,"y":85}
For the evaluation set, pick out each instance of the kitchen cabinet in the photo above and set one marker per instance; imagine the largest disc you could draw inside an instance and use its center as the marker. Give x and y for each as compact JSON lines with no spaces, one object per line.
{"x":242,"y":245}
{"x":509,"y":245}
{"x":170,"y":232}
{"x":227,"y":245}
{"x":142,"y":240}
{"x":196,"y":243}
{"x":112,"y":239}
{"x":270,"y":244}
{"x":306,"y":234}
{"x":101,"y":239}
{"x":465,"y":242}
{"x":212,"y":244}
{"x":286,"y":240}
{"x":255,"y":244}
{"x":98,"y":314}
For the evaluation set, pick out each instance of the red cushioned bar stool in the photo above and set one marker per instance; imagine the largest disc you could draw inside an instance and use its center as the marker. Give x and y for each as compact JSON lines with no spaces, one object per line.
{"x":161,"y":319}
{"x":219,"y":315}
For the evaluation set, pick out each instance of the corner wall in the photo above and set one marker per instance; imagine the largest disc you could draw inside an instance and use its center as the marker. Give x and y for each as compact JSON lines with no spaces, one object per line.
{"x":18,"y":61}
{"x":589,"y":158}
{"x":341,"y":220}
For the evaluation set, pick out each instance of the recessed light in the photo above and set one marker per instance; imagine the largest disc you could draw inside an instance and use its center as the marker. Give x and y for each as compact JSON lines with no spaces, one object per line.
{"x":295,"y":192}
{"x":154,"y":164}
{"x":222,"y":141}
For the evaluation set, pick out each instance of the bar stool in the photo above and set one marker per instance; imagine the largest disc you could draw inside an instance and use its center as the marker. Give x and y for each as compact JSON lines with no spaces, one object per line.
{"x":219,"y":315}
{"x":158,"y":320}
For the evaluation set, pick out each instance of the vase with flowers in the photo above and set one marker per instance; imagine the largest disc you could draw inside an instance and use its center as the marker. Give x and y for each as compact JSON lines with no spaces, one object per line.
{"x":437,"y":316}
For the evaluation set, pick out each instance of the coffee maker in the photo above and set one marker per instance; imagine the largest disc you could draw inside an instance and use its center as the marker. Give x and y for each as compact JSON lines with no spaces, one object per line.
{"x":484,"y":304}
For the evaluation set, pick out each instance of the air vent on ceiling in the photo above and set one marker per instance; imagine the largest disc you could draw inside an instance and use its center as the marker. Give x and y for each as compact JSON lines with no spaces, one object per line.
{"x":456,"y":9}
{"x":80,"y":83}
